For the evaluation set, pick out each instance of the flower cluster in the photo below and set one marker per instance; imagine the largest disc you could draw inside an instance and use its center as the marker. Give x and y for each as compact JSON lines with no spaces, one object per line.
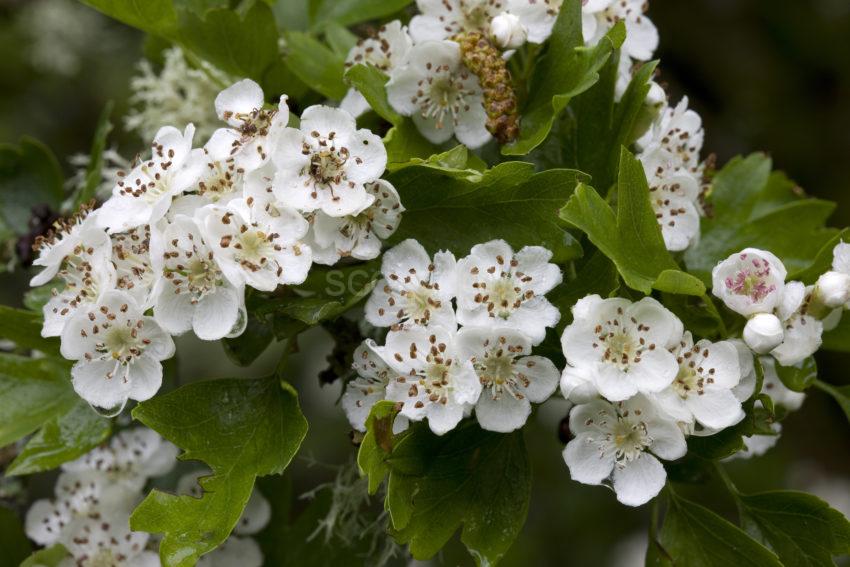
{"x":94,"y":496}
{"x":187,"y":229}
{"x":640,"y":384}
{"x":435,"y":370}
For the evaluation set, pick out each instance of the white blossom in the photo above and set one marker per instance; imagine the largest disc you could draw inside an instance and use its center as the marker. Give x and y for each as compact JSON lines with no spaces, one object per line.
{"x":673,"y":194}
{"x":118,"y":351}
{"x":439,"y":92}
{"x":499,"y":288}
{"x":510,"y":376}
{"x":431,"y":377}
{"x":62,"y":239}
{"x":802,"y":331}
{"x":369,"y":387}
{"x":133,"y":268}
{"x":750,"y":281}
{"x":444,"y":19}
{"x":107,"y":540}
{"x":702,"y":390}
{"x":833,"y":289}
{"x":254,"y":248}
{"x":763,"y":332}
{"x":413,"y":289}
{"x":622,"y":442}
{"x":779,"y":392}
{"x":357,"y":236}
{"x":507,"y":31}
{"x":192,"y":292}
{"x":386,"y":50}
{"x":325,"y":164}
{"x":620,"y":348}
{"x":679,"y":131}
{"x":641,"y":34}
{"x":144,"y":195}
{"x":254,"y":131}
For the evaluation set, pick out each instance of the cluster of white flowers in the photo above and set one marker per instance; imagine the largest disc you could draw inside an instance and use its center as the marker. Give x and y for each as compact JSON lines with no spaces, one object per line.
{"x":94,"y":497}
{"x":434,"y":369}
{"x":641,"y":384}
{"x":187,"y":229}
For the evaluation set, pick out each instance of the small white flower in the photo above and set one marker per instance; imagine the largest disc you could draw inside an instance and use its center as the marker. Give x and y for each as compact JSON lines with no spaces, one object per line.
{"x":413,"y":288}
{"x":106,"y":539}
{"x":702,"y":390}
{"x":841,"y":258}
{"x":254,"y":132}
{"x":325,"y":164}
{"x":440,"y":93}
{"x":86,"y":273}
{"x":620,"y":347}
{"x":622,"y":442}
{"x":370,"y":386}
{"x":254,"y":248}
{"x":118,"y":351}
{"x":802,"y":331}
{"x":357,"y":236}
{"x":131,"y":458}
{"x":750,"y":281}
{"x":679,"y":131}
{"x":673,"y":194}
{"x":132,"y":260}
{"x":507,"y":31}
{"x":641,"y":34}
{"x":747,"y":386}
{"x":833,"y":289}
{"x":144,"y":195}
{"x":61,"y":240}
{"x":497,"y":288}
{"x":779,"y":392}
{"x":443,"y":19}
{"x":192,"y":293}
{"x":432,"y":379}
{"x":220,"y":177}
{"x":386,"y":50}
{"x":510,"y":377}
{"x":763,"y":332}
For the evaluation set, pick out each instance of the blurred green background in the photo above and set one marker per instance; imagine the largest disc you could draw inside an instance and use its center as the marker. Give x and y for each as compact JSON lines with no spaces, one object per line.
{"x":771,"y":75}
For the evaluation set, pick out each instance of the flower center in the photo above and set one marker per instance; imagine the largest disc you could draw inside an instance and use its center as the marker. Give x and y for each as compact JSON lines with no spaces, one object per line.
{"x":622,"y":341}
{"x":328,"y":165}
{"x":751,"y":281}
{"x":505,"y":297}
{"x":441,"y":96}
{"x":195,"y":273}
{"x":419,"y":304}
{"x":220,"y":180}
{"x":629,"y":439}
{"x":122,"y":343}
{"x":103,"y":558}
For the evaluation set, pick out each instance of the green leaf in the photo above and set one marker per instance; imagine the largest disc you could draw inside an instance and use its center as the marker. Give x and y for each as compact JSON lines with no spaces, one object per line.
{"x":377,"y":444}
{"x":13,"y":541}
{"x":50,"y":557}
{"x":597,"y":276}
{"x":509,"y":201}
{"x":29,"y":176}
{"x":567,"y":70}
{"x":339,"y":38}
{"x":404,"y":143}
{"x":754,"y":208}
{"x":241,"y":429}
{"x":470,"y":477}
{"x":62,"y":439}
{"x":316,"y":64}
{"x":93,"y":172}
{"x":241,"y":44}
{"x":822,"y":261}
{"x":24,"y":328}
{"x":247,"y":347}
{"x":802,"y":529}
{"x":33,"y":391}
{"x":153,"y":16}
{"x":838,"y":339}
{"x":370,"y":81}
{"x":722,"y":444}
{"x":347,"y":12}
{"x":798,"y":378}
{"x":697,"y":537}
{"x":631,"y":239}
{"x":841,"y":394}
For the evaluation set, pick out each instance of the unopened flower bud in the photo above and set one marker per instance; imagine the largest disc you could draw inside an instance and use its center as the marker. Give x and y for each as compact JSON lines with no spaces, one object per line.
{"x":507,"y":31}
{"x":763,"y":332}
{"x":833,"y":289}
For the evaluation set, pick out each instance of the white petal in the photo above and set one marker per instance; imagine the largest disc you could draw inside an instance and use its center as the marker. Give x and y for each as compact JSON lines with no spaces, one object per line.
{"x":543,"y":376}
{"x":716,"y":408}
{"x":242,"y":97}
{"x":587,"y":463}
{"x":443,"y":418}
{"x":91,"y":382}
{"x":471,"y":125}
{"x":369,"y":150}
{"x":613,"y":384}
{"x":173,"y":311}
{"x":145,"y":378}
{"x":217,"y":313}
{"x":639,"y":481}
{"x":504,"y":414}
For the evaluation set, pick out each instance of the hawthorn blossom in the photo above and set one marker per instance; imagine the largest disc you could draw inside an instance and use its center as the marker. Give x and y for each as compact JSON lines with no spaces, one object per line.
{"x":193,"y":293}
{"x":702,"y":390}
{"x":440,"y":94}
{"x":132,"y":260}
{"x":499,"y":288}
{"x":86,"y":273}
{"x":510,"y":377}
{"x":254,"y":130}
{"x":326,"y":163}
{"x":763,"y":332}
{"x":444,"y":19}
{"x":369,"y":387}
{"x":432,"y":378}
{"x":507,"y":31}
{"x":144,"y":194}
{"x":129,"y":459}
{"x":254,"y":248}
{"x":106,"y":539}
{"x":118,"y":351}
{"x":623,"y":442}
{"x":386,"y":50}
{"x":358,"y":236}
{"x":220,"y":177}
{"x":750,"y":281}
{"x":413,"y":289}
{"x":779,"y":392}
{"x":837,"y":285}
{"x":620,"y":348}
{"x":673,"y":195}
{"x":679,"y":131}
{"x":641,"y":34}
{"x":802,"y":331}
{"x":61,"y":240}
